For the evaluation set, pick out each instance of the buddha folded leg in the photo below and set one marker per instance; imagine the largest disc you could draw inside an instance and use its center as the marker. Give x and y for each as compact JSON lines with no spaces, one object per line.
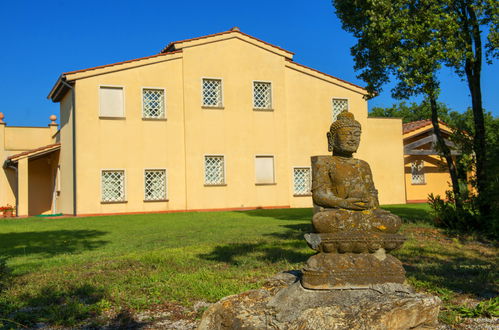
{"x":337,"y":220}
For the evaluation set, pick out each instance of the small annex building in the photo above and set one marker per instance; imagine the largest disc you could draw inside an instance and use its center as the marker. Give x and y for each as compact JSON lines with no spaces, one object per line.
{"x":425,"y":171}
{"x":223,"y":121}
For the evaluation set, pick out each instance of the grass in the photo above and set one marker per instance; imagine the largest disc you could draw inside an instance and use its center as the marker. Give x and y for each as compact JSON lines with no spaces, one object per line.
{"x":102,"y":270}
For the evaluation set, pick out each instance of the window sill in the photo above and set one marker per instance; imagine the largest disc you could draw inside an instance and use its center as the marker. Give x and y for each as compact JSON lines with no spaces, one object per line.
{"x":153,"y":119}
{"x":112,"y":118}
{"x":302,"y":195}
{"x":117,"y":202}
{"x":155,"y":200}
{"x":265,"y":184}
{"x":418,"y":184}
{"x":212,"y":107}
{"x":215,"y":185}
{"x":264,"y":109}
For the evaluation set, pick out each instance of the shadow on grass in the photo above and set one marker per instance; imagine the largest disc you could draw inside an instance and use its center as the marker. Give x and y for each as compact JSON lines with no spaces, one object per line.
{"x":231,"y":253}
{"x":453,"y":271}
{"x":304,"y":214}
{"x":294,"y":232}
{"x":66,"y":307}
{"x":50,"y":243}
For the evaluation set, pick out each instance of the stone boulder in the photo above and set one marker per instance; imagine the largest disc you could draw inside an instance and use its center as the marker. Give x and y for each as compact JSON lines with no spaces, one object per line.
{"x":282,"y":303}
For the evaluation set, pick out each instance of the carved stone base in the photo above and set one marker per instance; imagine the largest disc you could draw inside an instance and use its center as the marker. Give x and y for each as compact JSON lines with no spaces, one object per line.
{"x":353,"y":241}
{"x":326,"y":271}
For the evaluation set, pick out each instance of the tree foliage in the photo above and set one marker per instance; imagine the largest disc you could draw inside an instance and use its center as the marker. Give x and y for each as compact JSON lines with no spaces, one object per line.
{"x":410,"y":40}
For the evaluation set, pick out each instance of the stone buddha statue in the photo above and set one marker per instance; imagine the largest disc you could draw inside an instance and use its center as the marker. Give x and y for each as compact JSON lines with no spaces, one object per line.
{"x":353,"y":236}
{"x":343,"y":191}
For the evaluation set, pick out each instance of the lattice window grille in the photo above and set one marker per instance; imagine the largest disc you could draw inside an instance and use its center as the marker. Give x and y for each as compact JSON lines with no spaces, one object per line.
{"x":154,"y":103}
{"x":417,"y":171}
{"x":214,"y":170}
{"x":113,"y":186}
{"x":302,"y":181}
{"x":262,"y":95}
{"x":339,"y":105}
{"x":155,"y":185}
{"x":212,"y":92}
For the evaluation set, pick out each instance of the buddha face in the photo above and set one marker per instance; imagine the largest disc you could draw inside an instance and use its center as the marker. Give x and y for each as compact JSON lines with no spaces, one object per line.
{"x":347,"y":139}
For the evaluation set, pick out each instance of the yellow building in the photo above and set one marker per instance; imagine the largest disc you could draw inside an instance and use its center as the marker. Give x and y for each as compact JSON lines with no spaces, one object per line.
{"x":224,"y":121}
{"x":425,"y":171}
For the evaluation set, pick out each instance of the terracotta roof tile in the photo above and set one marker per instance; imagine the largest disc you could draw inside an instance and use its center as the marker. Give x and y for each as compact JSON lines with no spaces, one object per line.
{"x":307,"y":67}
{"x":123,"y":62}
{"x":25,"y":153}
{"x":414,"y":125}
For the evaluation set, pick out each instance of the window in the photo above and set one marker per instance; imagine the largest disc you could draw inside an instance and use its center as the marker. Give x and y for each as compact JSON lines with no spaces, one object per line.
{"x":302,"y":181}
{"x":214,"y":172}
{"x":262,"y":95}
{"x":339,"y":105}
{"x":264,"y":169}
{"x":153,"y":103}
{"x":155,"y":185}
{"x":111,"y":102}
{"x":417,"y":171}
{"x":212,"y":92}
{"x":113,"y":186}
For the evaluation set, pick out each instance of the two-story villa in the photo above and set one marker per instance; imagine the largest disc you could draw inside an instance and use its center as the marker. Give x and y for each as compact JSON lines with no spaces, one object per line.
{"x":224,"y":121}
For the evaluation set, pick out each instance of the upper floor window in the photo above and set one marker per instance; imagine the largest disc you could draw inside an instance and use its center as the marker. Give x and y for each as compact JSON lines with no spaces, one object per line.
{"x":111,"y":101}
{"x":417,"y":172}
{"x":262,"y":95}
{"x":212,"y":93}
{"x":302,"y":181}
{"x":264,"y":170}
{"x":113,"y":185}
{"x":339,"y":105}
{"x":153,"y":103}
{"x":155,"y":185}
{"x":214,"y":170}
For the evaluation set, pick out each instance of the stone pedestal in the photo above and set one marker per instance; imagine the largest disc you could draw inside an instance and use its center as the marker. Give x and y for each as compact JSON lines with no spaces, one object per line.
{"x":283,"y":303}
{"x":352,"y":260}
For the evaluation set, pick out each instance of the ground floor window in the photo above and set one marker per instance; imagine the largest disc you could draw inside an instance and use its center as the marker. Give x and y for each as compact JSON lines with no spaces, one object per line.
{"x":302,"y":180}
{"x":417,"y":171}
{"x":113,"y":185}
{"x":214,"y":170}
{"x":154,"y":185}
{"x":264,"y":170}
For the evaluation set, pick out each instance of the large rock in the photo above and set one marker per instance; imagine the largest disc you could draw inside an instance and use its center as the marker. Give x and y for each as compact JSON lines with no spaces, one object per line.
{"x":284,"y":304}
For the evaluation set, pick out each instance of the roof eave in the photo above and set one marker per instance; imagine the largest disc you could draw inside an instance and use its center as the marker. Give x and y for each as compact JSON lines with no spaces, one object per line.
{"x":58,"y":90}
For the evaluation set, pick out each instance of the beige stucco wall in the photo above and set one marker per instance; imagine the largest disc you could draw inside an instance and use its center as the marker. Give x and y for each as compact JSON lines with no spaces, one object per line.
{"x":65,"y":199}
{"x":131,"y":143}
{"x":293,"y":132}
{"x":19,"y":139}
{"x":437,"y":178}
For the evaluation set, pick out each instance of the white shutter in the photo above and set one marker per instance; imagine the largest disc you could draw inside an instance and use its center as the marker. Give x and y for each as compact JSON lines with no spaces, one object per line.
{"x":264,"y":169}
{"x":111,"y":102}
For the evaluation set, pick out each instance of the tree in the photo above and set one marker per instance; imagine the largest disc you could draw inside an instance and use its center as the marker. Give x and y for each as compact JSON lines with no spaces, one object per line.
{"x":412,"y":112}
{"x":410,"y":40}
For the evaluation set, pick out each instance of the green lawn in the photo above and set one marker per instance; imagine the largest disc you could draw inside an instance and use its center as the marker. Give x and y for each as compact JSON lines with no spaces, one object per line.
{"x":71,"y":270}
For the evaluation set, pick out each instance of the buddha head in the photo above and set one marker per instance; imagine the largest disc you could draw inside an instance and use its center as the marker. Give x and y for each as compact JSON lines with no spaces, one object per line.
{"x":344,"y":134}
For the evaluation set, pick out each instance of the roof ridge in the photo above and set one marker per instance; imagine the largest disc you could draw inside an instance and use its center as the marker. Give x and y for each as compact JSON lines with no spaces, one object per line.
{"x":221,"y":33}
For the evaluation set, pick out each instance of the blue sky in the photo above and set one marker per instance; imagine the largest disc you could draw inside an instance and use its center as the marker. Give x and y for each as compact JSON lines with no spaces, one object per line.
{"x":42,"y":39}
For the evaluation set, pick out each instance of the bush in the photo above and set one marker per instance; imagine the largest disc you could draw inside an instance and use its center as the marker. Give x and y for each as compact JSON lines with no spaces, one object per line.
{"x":446,"y":215}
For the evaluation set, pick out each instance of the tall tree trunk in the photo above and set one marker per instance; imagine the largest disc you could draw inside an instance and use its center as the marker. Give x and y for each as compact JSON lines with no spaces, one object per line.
{"x":445,"y":152}
{"x":473,"y":67}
